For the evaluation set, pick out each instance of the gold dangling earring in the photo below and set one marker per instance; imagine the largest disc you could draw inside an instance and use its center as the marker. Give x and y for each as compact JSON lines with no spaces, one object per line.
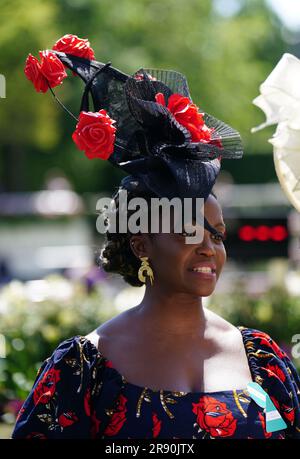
{"x":145,"y":267}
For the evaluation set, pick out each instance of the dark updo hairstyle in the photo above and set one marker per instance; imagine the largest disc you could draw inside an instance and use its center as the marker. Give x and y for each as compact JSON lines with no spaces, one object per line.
{"x":116,"y":255}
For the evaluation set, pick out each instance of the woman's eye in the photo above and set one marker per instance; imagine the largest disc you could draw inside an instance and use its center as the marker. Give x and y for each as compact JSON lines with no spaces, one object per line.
{"x":188,"y":233}
{"x":220,"y":236}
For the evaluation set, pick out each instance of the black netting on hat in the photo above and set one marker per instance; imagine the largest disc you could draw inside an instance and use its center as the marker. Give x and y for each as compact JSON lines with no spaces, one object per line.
{"x":150,"y":144}
{"x":131,"y":103}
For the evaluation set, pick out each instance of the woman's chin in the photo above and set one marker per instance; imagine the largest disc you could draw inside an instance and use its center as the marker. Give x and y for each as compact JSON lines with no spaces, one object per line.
{"x":200,"y":290}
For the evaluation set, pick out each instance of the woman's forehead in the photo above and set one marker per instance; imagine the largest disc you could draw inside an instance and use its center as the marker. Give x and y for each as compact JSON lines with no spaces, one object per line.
{"x":212,"y":213}
{"x":212,"y":206}
{"x":166,"y":218}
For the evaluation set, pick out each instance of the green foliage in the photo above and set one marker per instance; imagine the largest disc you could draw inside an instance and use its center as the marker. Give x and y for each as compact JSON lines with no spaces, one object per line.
{"x":34,"y":319}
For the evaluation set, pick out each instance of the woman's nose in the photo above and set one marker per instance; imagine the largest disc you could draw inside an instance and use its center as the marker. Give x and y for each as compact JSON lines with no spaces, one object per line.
{"x":206,"y":245}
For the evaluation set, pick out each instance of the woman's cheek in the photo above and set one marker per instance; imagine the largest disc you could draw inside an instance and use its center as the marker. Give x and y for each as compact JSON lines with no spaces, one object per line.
{"x":222,"y":259}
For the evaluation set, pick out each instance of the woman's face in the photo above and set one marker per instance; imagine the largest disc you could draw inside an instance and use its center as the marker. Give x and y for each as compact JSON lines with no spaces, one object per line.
{"x":174,"y":261}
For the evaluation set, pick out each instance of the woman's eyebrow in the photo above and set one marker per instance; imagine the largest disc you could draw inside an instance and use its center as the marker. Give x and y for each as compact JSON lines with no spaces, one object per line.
{"x":216,"y":225}
{"x":220,"y":224}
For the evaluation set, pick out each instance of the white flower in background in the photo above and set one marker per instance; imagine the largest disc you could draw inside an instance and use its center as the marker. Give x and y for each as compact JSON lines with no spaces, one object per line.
{"x":280,"y":101}
{"x":54,"y":288}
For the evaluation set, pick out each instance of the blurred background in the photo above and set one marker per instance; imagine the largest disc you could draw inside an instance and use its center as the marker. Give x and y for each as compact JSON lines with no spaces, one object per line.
{"x":50,"y":286}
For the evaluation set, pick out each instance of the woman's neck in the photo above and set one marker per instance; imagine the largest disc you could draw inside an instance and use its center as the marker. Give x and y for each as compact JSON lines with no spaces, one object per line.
{"x":162,"y":312}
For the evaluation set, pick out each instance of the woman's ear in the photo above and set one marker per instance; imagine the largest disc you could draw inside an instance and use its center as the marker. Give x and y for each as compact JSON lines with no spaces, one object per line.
{"x":139,"y":245}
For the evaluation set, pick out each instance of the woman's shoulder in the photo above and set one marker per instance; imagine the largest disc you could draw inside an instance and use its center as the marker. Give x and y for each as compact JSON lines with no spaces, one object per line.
{"x":260,"y":339}
{"x":71,"y":360}
{"x":88,"y":344}
{"x":77,"y":346}
{"x":117,"y":326}
{"x":273,"y":361}
{"x":273,"y":368}
{"x":62,"y":397}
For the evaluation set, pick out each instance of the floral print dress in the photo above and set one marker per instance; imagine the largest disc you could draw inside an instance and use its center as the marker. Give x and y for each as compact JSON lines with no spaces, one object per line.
{"x":79,"y":394}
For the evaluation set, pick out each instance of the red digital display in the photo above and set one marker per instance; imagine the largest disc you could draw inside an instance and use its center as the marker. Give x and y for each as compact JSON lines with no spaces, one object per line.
{"x":263,"y":233}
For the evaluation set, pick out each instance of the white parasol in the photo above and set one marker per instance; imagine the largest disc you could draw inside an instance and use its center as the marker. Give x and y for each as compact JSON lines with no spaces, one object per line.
{"x":280,"y":101}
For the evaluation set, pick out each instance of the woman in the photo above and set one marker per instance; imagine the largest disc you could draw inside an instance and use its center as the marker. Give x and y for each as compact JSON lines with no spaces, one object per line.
{"x":168,"y":367}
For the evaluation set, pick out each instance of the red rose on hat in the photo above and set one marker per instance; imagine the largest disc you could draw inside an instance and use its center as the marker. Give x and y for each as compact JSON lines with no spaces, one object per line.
{"x":187,"y":114}
{"x":71,"y":44}
{"x":95,"y":134}
{"x":49,"y":72}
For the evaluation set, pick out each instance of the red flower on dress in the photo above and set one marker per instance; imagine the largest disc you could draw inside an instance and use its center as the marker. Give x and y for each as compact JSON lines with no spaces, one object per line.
{"x":287,"y":411}
{"x":268,"y":341}
{"x":214,"y":417}
{"x":45,"y":388}
{"x":263,"y":423}
{"x":118,"y":418}
{"x":274,"y":370}
{"x":67,"y":419}
{"x":71,"y":44}
{"x":49,"y":72}
{"x":87,"y":402}
{"x":95,"y":423}
{"x":95,"y":134}
{"x":156,"y":425}
{"x":187,"y":114}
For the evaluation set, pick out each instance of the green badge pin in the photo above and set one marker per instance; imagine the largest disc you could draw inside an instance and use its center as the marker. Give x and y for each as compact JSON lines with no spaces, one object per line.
{"x":273,"y":418}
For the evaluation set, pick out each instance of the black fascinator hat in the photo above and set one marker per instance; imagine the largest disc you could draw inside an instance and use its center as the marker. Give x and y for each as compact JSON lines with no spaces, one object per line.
{"x":158,"y":136}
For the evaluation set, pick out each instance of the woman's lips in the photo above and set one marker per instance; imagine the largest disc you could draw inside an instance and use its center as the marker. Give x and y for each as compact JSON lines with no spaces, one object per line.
{"x":202,"y":275}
